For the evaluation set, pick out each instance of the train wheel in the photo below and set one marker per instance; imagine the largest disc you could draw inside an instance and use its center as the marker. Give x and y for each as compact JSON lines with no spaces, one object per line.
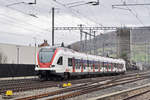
{"x":59,"y":79}
{"x":66,"y":76}
{"x":41,"y":77}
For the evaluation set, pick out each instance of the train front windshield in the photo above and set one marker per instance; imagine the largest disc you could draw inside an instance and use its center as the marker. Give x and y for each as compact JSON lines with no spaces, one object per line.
{"x":45,"y":55}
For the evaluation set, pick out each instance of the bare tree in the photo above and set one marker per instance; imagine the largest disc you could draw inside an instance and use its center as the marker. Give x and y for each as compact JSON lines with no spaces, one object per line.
{"x":3,"y":58}
{"x":0,"y":58}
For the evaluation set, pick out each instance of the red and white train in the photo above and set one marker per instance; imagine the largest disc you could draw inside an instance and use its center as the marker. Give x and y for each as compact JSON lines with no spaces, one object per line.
{"x":60,"y":63}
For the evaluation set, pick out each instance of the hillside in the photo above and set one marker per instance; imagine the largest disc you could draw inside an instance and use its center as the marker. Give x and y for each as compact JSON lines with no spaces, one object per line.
{"x":107,"y":44}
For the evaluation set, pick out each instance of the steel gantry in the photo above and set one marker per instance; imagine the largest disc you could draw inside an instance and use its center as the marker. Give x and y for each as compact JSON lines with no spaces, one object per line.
{"x":85,"y":28}
{"x":97,"y":28}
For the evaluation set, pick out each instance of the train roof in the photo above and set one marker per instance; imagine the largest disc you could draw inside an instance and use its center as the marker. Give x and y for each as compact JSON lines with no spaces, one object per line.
{"x":89,"y":56}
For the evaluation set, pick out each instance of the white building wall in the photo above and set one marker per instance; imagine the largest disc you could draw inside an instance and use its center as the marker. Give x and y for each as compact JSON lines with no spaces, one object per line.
{"x":17,"y":54}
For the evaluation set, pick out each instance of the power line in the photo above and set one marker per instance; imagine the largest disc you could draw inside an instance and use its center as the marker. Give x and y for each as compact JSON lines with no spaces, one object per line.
{"x":21,"y":35}
{"x":125,"y":4}
{"x":28,"y":15}
{"x":12,"y":19}
{"x":129,"y":9}
{"x":72,"y":10}
{"x":136,"y":16}
{"x":19,"y":26}
{"x":75,"y":12}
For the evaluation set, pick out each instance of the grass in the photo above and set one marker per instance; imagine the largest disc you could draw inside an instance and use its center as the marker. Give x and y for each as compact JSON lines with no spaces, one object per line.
{"x":139,"y":53}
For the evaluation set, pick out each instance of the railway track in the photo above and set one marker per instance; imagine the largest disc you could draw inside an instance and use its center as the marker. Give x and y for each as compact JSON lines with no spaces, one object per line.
{"x":26,"y":84}
{"x":138,"y":92}
{"x":87,"y":88}
{"x":32,"y":85}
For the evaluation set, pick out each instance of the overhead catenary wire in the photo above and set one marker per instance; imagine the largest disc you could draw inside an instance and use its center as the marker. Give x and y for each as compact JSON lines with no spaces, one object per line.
{"x":74,"y":3}
{"x":39,"y":36}
{"x":129,"y":9}
{"x":71,"y":10}
{"x":136,"y":16}
{"x":19,"y":26}
{"x":12,"y":17}
{"x":24,"y":14}
{"x":16,"y":22}
{"x":32,"y":16}
{"x":77,"y":13}
{"x":12,"y":20}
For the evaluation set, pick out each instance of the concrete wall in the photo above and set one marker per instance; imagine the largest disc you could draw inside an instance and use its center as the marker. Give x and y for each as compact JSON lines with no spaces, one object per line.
{"x":17,"y":54}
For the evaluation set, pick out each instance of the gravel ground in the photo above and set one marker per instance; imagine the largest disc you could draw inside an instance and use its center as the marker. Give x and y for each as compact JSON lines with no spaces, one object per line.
{"x":83,"y":97}
{"x":31,"y":93}
{"x":142,"y":97}
{"x":35,"y":92}
{"x":111,"y":90}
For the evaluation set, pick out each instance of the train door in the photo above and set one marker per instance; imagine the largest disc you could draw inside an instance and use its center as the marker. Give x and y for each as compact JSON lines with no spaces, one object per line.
{"x":77,"y":65}
{"x":105,"y":67}
{"x":111,"y":67}
{"x":96,"y":66}
{"x":60,"y":64}
{"x":88,"y":66}
{"x":85,"y":66}
{"x":99,"y":66}
{"x":73,"y":64}
{"x":93,"y":66}
{"x":116,"y":65}
{"x":81,"y":62}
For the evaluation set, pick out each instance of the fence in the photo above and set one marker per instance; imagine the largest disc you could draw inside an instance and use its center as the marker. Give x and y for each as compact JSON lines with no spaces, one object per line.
{"x":16,"y":70}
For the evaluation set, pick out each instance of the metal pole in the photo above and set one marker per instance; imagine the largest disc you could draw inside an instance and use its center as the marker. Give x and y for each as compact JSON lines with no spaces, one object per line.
{"x":85,"y":42}
{"x":90,"y":40}
{"x":35,"y":51}
{"x":17,"y":55}
{"x":53,"y":11}
{"x":94,"y":43}
{"x":81,"y":38}
{"x":103,"y":47}
{"x":145,"y":53}
{"x":148,"y":51}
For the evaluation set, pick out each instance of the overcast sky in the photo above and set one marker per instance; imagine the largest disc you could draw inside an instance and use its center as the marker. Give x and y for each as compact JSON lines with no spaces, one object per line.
{"x":17,"y":26}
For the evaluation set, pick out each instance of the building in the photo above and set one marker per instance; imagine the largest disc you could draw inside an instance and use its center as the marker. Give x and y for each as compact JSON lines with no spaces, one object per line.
{"x":17,"y":54}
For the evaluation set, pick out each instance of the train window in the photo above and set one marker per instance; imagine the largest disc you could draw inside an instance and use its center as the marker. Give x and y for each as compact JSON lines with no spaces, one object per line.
{"x":109,"y":66}
{"x":112,"y":64}
{"x":69,"y":61}
{"x":87,"y":63}
{"x":60,"y":61}
{"x":99,"y":64}
{"x":45,"y":55}
{"x":103,"y":64}
{"x":76,"y":63}
{"x":121,"y":65}
{"x":115,"y":65}
{"x":96,"y":65}
{"x":92,"y":64}
{"x":84,"y":64}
